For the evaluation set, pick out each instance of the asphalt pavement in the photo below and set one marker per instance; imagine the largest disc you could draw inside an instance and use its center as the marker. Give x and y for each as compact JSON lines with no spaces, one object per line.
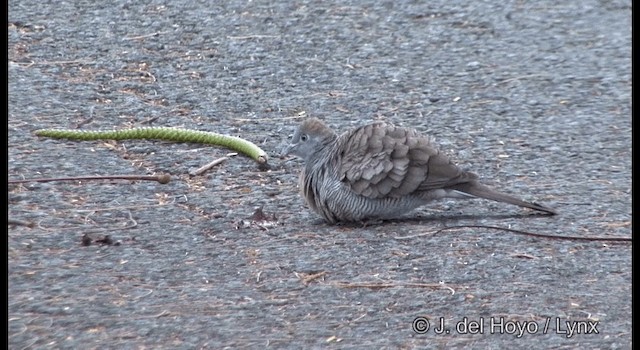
{"x":534,"y":97}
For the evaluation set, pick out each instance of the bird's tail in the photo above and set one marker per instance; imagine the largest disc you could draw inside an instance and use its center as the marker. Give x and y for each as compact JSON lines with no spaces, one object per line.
{"x":477,"y":189}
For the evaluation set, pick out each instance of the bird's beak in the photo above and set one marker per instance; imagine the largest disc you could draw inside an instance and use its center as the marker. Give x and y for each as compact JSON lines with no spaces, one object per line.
{"x":286,"y":150}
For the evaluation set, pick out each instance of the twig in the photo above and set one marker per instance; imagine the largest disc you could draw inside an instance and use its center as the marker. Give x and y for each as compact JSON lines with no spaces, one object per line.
{"x":143,"y":36}
{"x":206,"y":167}
{"x":17,"y":222}
{"x":47,"y":63}
{"x":52,"y":63}
{"x":393,"y":285}
{"x":522,"y":77}
{"x":163,"y":178}
{"x":86,"y":120}
{"x":269,"y":119}
{"x":252,"y":37}
{"x":133,"y":224}
{"x":310,"y":277}
{"x":525,"y":233}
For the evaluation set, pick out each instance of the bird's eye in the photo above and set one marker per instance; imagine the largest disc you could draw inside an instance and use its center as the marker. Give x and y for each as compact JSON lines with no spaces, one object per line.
{"x":304,"y":138}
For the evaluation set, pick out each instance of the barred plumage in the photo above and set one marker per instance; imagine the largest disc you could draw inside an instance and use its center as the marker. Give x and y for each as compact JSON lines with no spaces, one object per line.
{"x":379,"y":171}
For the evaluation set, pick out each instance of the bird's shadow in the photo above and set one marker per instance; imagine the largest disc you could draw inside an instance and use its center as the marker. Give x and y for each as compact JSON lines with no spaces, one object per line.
{"x":436,"y":219}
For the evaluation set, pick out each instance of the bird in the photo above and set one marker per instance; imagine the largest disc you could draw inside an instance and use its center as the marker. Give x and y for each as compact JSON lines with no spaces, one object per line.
{"x":380,"y":171}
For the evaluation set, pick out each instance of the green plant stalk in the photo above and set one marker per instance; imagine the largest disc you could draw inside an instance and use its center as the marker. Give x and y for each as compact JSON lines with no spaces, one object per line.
{"x":162,"y":133}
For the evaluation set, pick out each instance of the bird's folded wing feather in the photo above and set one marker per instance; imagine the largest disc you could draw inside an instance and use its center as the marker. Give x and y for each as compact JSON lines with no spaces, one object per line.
{"x":380,"y":161}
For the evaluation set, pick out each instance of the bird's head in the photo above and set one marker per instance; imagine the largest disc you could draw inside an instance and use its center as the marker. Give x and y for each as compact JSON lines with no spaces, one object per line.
{"x":311,"y":136}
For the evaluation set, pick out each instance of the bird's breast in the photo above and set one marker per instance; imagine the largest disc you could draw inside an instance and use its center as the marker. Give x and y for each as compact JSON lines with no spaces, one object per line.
{"x":335,"y":201}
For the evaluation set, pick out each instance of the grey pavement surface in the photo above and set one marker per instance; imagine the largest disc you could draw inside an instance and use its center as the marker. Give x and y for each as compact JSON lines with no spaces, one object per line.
{"x":535,"y":97}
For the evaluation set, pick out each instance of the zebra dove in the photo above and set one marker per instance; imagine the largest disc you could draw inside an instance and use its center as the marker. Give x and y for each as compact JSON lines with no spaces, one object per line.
{"x":379,"y":171}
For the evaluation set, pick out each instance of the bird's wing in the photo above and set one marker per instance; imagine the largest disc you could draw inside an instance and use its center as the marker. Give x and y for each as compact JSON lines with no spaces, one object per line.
{"x":380,"y":160}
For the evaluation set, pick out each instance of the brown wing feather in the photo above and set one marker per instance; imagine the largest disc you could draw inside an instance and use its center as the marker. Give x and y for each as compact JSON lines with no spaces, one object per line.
{"x":380,"y":160}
